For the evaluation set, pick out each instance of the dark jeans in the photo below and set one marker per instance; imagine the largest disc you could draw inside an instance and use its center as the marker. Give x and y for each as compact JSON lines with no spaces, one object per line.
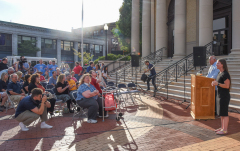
{"x":52,"y":102}
{"x":77,"y":77}
{"x":93,"y":106}
{"x":153,"y":82}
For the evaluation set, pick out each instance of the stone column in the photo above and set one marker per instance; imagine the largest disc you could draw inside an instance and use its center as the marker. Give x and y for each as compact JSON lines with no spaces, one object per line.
{"x":146,"y":28}
{"x":135,"y":26}
{"x":235,"y":27}
{"x":14,"y":44}
{"x":161,"y":25}
{"x":38,"y":45}
{"x":59,"y":59}
{"x":152,"y":26}
{"x":205,"y":22}
{"x":180,"y":29}
{"x":75,"y":45}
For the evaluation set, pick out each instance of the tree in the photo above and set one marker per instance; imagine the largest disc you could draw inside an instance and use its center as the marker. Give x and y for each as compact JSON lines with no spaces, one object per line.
{"x":27,"y":47}
{"x":86,"y":56}
{"x":123,"y":26}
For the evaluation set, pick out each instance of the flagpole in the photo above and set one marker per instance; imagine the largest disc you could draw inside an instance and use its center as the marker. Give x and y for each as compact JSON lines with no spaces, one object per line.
{"x":82,"y":37}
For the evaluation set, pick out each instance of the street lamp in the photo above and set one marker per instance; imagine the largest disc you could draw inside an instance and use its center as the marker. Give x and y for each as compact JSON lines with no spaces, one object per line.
{"x":106,"y":29}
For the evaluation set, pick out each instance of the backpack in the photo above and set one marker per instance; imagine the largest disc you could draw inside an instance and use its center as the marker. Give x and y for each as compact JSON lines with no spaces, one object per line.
{"x":144,"y":77}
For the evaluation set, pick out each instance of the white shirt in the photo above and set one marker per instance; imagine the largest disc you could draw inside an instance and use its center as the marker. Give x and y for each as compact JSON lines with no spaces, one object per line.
{"x":104,"y":74}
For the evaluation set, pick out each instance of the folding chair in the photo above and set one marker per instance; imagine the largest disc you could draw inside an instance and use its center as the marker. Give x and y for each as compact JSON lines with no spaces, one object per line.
{"x":44,"y":84}
{"x":134,"y":90}
{"x":58,"y":101}
{"x":49,"y":86}
{"x":9,"y":101}
{"x":82,"y":111}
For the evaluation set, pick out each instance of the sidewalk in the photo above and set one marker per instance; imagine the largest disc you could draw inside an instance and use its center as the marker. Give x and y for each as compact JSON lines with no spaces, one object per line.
{"x":148,"y":125}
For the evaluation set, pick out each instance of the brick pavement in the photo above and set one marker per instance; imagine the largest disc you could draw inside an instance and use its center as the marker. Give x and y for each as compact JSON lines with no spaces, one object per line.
{"x":148,"y":125}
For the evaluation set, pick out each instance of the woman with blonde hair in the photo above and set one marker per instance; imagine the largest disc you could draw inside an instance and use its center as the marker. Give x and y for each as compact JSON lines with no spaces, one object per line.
{"x":19,"y":74}
{"x":62,"y":91}
{"x":87,"y":97}
{"x":223,"y":83}
{"x":67,"y":68}
{"x":3,"y":88}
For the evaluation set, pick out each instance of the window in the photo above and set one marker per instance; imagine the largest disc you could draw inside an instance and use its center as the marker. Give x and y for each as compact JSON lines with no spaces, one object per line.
{"x":54,"y":44}
{"x":61,"y":45}
{"x":67,"y":46}
{"x":2,"y":39}
{"x":219,"y":23}
{"x":48,"y":43}
{"x":72,"y":45}
{"x":97,"y":32}
{"x":26,"y":38}
{"x":100,"y":48}
{"x":42,"y":43}
{"x":97,"y":49}
{"x":19,"y":39}
{"x":79,"y":46}
{"x":101,"y":31}
{"x":113,"y":49}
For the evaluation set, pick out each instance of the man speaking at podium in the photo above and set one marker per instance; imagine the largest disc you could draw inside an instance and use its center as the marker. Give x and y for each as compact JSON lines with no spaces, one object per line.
{"x":213,"y":72}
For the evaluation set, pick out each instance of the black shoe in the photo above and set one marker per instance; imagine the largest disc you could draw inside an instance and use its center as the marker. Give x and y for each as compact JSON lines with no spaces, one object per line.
{"x":51,"y":113}
{"x":3,"y":107}
{"x":78,"y":109}
{"x":147,"y":89}
{"x":71,"y":111}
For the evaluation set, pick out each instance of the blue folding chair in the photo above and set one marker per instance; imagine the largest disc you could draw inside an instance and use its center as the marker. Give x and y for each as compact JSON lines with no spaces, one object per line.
{"x":58,"y":101}
{"x":49,"y":86}
{"x":132,"y":89}
{"x":80,"y":112}
{"x":44,"y":84}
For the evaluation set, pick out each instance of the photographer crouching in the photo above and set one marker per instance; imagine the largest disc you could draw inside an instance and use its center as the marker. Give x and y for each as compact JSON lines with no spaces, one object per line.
{"x":31,"y":108}
{"x":23,"y":66}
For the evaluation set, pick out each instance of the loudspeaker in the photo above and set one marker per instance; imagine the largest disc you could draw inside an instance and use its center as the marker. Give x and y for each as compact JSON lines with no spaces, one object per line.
{"x":135,"y":60}
{"x":199,"y":56}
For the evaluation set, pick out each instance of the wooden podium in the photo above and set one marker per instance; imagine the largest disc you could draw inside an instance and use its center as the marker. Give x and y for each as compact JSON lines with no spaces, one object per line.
{"x":202,"y":97}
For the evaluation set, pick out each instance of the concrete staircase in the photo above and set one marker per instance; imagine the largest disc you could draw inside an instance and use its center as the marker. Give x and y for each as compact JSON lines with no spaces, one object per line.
{"x":176,"y":89}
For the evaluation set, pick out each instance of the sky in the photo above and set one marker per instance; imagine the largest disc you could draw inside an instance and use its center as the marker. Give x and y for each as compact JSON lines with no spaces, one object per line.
{"x":60,"y":14}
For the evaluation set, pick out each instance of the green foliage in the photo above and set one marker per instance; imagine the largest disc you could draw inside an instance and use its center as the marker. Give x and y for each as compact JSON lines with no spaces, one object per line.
{"x":123,"y":26}
{"x":28,"y":48}
{"x":113,"y":57}
{"x":86,"y":56}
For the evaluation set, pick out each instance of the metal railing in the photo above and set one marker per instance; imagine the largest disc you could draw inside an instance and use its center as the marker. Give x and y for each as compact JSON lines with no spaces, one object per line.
{"x":127,"y":71}
{"x":178,"y":69}
{"x":123,"y":58}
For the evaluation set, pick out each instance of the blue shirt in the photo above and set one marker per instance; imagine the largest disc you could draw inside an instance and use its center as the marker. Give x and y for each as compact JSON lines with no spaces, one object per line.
{"x":53,"y":67}
{"x":89,"y":68}
{"x":26,"y":104}
{"x":152,"y":71}
{"x":82,"y":88}
{"x":41,"y":67}
{"x":213,"y":72}
{"x":15,"y":87}
{"x":52,"y":81}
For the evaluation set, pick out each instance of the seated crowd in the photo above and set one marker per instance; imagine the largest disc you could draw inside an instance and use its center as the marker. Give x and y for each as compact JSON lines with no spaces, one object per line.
{"x":27,"y":88}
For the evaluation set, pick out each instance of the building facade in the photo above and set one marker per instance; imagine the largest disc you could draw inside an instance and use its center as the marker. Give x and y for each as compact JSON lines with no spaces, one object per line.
{"x":98,"y":32}
{"x":179,"y":25}
{"x":52,"y":43}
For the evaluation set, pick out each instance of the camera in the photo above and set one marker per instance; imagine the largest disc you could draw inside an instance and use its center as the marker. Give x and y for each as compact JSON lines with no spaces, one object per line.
{"x":21,"y":62}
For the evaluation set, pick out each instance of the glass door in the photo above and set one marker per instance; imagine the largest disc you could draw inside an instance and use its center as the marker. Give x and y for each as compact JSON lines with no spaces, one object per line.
{"x":220,"y":42}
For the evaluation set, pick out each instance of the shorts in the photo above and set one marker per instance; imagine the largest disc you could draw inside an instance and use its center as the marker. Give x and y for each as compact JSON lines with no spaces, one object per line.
{"x":15,"y":98}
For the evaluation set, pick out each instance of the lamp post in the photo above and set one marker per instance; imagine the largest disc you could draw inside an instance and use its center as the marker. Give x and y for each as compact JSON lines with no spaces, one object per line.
{"x":106,"y":29}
